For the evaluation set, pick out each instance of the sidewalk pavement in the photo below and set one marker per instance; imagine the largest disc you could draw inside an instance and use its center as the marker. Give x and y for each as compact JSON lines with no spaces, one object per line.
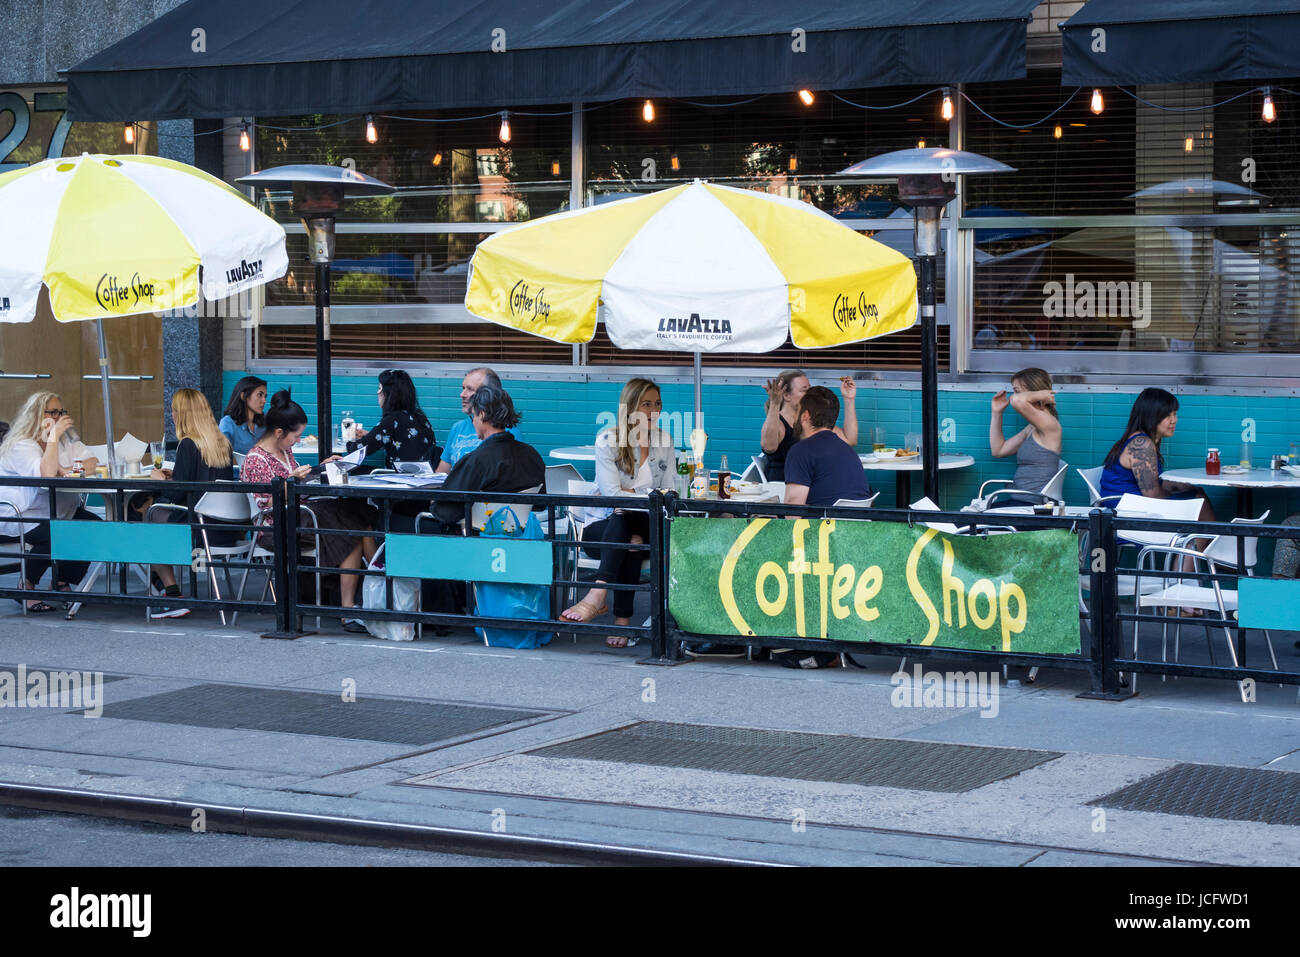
{"x":411,"y":750}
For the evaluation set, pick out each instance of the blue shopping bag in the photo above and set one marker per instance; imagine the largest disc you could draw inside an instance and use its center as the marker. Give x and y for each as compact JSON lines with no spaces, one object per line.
{"x":498,"y":600}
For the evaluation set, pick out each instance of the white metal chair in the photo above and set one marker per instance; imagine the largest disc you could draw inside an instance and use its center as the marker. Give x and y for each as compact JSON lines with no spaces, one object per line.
{"x":857,"y":502}
{"x":1053,"y":490}
{"x":215,"y":508}
{"x":306,"y":520}
{"x":9,"y":507}
{"x":754,"y":470}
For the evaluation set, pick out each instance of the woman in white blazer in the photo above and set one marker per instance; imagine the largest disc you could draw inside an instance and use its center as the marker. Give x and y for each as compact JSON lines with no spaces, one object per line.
{"x":631,"y":458}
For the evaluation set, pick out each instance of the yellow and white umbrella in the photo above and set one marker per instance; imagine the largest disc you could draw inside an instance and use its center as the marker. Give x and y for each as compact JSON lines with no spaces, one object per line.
{"x":695,"y":268}
{"x":125,"y":235}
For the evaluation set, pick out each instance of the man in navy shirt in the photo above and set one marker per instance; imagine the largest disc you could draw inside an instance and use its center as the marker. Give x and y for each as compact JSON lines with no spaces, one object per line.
{"x":822,"y":468}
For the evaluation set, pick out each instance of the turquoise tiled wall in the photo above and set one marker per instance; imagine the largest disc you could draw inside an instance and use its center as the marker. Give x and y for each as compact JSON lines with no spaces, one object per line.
{"x":565,"y":413}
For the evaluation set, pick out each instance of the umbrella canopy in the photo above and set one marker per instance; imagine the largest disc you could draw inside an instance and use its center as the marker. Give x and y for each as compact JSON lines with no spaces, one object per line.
{"x":126,"y":235}
{"x":695,"y":268}
{"x":122,"y":235}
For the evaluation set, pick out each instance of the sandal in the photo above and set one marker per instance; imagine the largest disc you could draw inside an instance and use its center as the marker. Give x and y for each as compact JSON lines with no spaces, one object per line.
{"x":620,"y":641}
{"x":39,"y":608}
{"x":585,"y":610}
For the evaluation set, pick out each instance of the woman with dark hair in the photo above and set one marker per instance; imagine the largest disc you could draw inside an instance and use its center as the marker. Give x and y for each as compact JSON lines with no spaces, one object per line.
{"x":272,"y":458}
{"x":1037,"y":447}
{"x":501,"y":463}
{"x":403,"y":432}
{"x":243,"y":421}
{"x":1134,"y":463}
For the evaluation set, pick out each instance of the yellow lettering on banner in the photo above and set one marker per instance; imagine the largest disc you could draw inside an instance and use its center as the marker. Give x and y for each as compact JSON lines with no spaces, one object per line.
{"x":868,"y":588}
{"x":1012,"y":625}
{"x":983,"y":589}
{"x":725,"y":577}
{"x":823,"y":567}
{"x":914,"y":585}
{"x":770,"y":570}
{"x":798,"y":568}
{"x":952,"y":586}
{"x":840,"y":588}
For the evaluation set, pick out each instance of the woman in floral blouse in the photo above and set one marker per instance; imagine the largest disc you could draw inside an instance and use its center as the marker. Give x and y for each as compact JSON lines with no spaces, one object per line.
{"x":404,"y":432}
{"x":272,"y":458}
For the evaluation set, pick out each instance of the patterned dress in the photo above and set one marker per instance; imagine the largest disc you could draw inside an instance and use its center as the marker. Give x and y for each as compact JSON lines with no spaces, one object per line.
{"x":347,"y":514}
{"x":402,"y":436}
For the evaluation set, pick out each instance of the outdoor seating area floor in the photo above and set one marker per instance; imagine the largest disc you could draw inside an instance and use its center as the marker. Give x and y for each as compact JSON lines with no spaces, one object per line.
{"x":488,"y":769}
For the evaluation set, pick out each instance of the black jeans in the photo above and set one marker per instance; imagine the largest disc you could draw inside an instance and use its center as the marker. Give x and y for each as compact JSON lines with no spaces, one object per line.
{"x":38,"y":540}
{"x":619,"y":565}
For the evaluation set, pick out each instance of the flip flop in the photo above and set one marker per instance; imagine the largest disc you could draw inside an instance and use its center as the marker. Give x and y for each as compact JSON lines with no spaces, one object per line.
{"x":620,"y":641}
{"x":40,"y":608}
{"x":586,"y":612}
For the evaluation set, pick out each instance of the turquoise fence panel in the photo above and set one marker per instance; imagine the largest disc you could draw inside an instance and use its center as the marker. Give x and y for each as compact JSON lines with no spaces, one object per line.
{"x":143,"y":542}
{"x":1268,"y":602}
{"x":468,"y":559}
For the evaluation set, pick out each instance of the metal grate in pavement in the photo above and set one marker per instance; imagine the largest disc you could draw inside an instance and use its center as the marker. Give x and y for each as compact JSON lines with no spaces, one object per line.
{"x":1207,"y":790}
{"x":390,"y":720}
{"x":874,"y":762}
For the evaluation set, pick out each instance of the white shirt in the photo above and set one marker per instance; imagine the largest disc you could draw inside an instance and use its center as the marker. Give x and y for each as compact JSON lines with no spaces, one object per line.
{"x":23,"y":459}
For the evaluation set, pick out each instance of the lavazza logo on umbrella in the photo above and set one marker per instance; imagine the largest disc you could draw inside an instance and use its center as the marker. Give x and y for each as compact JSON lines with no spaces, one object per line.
{"x":693,"y":327}
{"x":244,"y":271}
{"x":4,"y":304}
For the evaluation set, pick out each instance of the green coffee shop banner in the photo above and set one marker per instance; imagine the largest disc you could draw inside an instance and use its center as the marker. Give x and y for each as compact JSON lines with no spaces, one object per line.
{"x":876,"y":581}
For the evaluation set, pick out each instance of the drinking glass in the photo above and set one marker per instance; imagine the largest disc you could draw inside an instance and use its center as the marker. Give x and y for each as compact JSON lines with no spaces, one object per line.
{"x":156,"y":450}
{"x":1294,"y":457}
{"x":877,"y":438}
{"x":912,"y":441}
{"x":1246,"y":448}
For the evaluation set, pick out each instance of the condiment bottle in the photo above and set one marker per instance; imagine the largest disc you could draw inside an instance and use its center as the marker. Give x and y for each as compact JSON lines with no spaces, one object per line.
{"x":1212,"y":462}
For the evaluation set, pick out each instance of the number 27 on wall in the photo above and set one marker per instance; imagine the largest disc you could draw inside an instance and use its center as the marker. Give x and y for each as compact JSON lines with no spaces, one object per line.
{"x":16,"y":104}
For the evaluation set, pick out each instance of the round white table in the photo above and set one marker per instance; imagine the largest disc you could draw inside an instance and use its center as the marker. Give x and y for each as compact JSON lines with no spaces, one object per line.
{"x":1244,"y":482}
{"x":574,"y":453}
{"x":909,"y":465}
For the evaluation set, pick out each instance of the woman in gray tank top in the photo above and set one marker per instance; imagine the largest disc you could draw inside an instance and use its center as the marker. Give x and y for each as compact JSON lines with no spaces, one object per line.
{"x":1037,"y":447}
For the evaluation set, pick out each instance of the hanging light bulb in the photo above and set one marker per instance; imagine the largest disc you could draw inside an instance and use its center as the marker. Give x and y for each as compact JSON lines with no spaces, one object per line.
{"x":128,"y":133}
{"x":648,"y":111}
{"x":437,"y":159}
{"x":504,"y":133}
{"x":1187,"y":145}
{"x":947,"y":104}
{"x":555,"y":167}
{"x":1097,"y":105}
{"x":920,"y":144}
{"x":675,"y":163}
{"x":806,"y":96}
{"x":243,"y":139}
{"x":1270,"y":114}
{"x":794,"y":163}
{"x":372,"y":135}
{"x":1056,"y":133}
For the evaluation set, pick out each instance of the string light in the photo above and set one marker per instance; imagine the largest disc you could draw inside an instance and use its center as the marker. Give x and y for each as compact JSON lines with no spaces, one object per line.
{"x":1270,"y":114}
{"x":920,"y":144}
{"x":128,"y":133}
{"x":1056,"y":133}
{"x":947,"y":104}
{"x":806,"y":96}
{"x":1187,"y":145}
{"x":1097,"y":105}
{"x":437,"y":159}
{"x":648,"y":111}
{"x":372,"y":135}
{"x":675,"y":163}
{"x":504,"y":133}
{"x":794,"y":163}
{"x":555,"y":167}
{"x":243,"y":139}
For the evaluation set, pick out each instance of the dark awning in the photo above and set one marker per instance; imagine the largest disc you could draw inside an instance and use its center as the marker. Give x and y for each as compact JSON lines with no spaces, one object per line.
{"x":1181,"y":41}
{"x":287,"y":57}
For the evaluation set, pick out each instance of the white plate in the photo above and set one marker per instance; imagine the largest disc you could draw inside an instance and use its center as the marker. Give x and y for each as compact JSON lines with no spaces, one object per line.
{"x":1293,"y":469}
{"x":1234,"y":470}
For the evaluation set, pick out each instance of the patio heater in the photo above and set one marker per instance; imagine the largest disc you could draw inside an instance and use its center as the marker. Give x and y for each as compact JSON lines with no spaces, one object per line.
{"x":318,"y":194}
{"x":927,"y":182}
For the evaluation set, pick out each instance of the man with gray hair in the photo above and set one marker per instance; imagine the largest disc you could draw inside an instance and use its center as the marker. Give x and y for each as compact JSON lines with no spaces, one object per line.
{"x":462,"y":439}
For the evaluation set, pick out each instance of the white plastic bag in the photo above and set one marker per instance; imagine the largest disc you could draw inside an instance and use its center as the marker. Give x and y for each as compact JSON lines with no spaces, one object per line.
{"x":406,"y":593}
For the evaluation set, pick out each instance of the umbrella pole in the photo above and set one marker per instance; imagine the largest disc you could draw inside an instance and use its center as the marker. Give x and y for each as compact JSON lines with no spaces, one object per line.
{"x":699,"y":405}
{"x":324,"y":425}
{"x":108,"y":402}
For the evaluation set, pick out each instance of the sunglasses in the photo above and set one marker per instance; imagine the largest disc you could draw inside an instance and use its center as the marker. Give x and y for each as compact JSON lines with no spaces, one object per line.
{"x":56,"y":413}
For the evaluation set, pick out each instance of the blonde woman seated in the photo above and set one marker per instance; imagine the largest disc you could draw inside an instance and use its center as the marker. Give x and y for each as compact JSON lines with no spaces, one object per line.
{"x":633,"y":457}
{"x":42,"y":443}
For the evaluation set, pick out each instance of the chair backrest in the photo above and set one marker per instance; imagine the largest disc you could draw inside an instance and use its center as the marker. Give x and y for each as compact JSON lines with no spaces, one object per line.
{"x":1223,"y":548}
{"x":1055,"y":488}
{"x":754,"y":469}
{"x":558,"y":478}
{"x":1184,"y":511}
{"x":857,"y":502}
{"x":227,"y":506}
{"x":1092,"y":479}
{"x":926,"y":505}
{"x":577,"y":514}
{"x":239,"y":459}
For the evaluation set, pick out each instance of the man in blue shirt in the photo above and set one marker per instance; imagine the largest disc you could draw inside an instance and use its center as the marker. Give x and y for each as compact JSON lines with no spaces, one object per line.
{"x":822,"y":468}
{"x":461,"y":438}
